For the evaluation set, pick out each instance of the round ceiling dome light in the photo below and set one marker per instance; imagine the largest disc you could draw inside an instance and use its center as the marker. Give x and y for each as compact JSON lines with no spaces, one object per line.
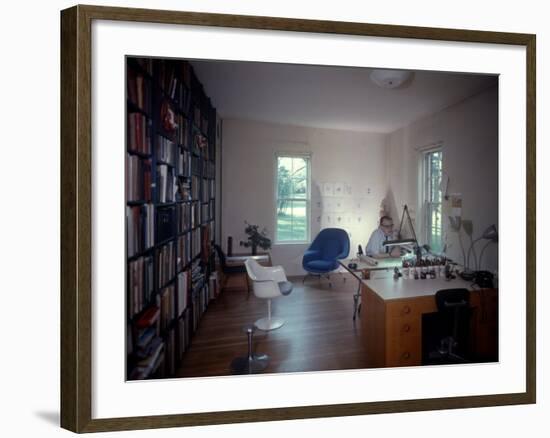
{"x":390,"y":78}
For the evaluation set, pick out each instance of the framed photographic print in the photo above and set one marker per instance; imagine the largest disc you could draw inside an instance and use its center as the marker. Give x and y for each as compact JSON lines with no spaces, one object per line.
{"x":199,"y":287}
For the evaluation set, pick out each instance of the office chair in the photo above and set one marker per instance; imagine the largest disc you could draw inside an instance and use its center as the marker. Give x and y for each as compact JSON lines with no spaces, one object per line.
{"x":453,"y":321}
{"x":321,"y":258}
{"x":268,"y":283}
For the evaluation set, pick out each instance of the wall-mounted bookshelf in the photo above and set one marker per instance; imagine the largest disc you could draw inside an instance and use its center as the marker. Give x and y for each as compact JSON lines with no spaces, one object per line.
{"x":170,"y":212}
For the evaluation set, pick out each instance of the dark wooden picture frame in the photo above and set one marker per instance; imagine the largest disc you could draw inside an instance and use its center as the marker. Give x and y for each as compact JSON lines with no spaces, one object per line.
{"x":76,"y":217}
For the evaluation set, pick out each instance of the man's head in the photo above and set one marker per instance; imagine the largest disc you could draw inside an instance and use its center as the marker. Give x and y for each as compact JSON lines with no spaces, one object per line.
{"x":386,"y":225}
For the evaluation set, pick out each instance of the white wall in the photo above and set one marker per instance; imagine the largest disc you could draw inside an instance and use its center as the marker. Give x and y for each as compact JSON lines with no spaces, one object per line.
{"x":248,"y":174}
{"x":469,"y":132}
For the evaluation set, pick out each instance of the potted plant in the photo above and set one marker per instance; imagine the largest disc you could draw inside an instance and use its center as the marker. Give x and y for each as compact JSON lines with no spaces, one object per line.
{"x":255,"y":238}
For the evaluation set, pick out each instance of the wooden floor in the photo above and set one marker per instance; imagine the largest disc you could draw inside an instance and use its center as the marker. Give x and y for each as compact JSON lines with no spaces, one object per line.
{"x":318,"y":334}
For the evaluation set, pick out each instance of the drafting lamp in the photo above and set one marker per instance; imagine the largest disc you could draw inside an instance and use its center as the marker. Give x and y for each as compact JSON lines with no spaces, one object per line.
{"x":403,"y":242}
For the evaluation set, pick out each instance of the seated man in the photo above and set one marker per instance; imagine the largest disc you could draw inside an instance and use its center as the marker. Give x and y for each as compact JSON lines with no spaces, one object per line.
{"x":375,"y":247}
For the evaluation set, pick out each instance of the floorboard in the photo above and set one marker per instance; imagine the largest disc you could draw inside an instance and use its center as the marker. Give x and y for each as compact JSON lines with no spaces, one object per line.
{"x":318,"y":335}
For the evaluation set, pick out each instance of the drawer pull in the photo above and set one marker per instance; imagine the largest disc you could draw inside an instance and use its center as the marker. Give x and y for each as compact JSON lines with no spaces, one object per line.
{"x":406,"y":310}
{"x":406,"y":328}
{"x":406,"y":355}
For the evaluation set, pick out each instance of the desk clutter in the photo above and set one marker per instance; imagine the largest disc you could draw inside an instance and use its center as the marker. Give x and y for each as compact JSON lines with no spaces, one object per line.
{"x":426,"y":267}
{"x":439,"y":267}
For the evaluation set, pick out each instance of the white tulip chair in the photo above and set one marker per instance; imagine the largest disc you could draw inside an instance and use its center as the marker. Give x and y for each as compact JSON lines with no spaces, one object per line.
{"x":268,"y":282}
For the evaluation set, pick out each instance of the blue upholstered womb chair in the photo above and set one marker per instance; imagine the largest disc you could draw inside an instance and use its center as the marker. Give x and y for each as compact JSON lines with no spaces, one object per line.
{"x":321,"y":258}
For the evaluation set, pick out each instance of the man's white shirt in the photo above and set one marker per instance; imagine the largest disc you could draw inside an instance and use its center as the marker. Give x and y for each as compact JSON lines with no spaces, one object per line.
{"x":376,"y":243}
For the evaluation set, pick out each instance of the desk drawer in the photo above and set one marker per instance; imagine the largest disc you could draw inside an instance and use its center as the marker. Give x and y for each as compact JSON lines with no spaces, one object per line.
{"x":404,"y":340}
{"x":410,"y":307}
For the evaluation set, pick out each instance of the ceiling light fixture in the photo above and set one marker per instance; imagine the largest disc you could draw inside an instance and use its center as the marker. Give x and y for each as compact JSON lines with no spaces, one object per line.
{"x":390,"y":78}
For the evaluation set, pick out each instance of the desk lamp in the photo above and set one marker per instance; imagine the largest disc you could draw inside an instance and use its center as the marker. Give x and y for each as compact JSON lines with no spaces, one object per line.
{"x":456,"y":223}
{"x":491,"y":235}
{"x":468,"y":227}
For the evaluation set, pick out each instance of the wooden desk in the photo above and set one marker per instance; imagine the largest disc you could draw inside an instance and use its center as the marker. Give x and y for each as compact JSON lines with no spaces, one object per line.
{"x":359,"y":273}
{"x":262,"y":258}
{"x":392,"y":319}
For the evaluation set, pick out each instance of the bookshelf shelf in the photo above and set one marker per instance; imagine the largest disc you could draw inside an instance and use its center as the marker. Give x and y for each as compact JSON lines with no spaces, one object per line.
{"x":168,"y":231}
{"x":132,"y":107}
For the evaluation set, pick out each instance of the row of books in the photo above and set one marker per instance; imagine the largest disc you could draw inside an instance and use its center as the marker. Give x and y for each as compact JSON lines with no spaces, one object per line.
{"x":208,"y":169}
{"x":207,"y":189}
{"x":166,"y":264}
{"x":138,"y":178}
{"x":195,"y":242}
{"x":165,"y":150}
{"x":182,"y":136}
{"x":196,"y":165}
{"x":170,"y":356}
{"x":200,"y":298}
{"x":140,"y":284}
{"x":184,"y":250}
{"x":184,"y":217}
{"x":183,"y":333}
{"x":175,"y":80}
{"x":145,"y":63}
{"x":203,"y":167}
{"x":157,"y":356}
{"x":152,"y":363}
{"x":183,"y":291}
{"x":148,"y":350}
{"x":139,"y":133}
{"x":195,"y":187}
{"x":184,"y":162}
{"x":138,"y":90}
{"x":213,"y":286}
{"x":167,"y":183}
{"x":212,"y":188}
{"x":138,"y":182}
{"x":211,"y":229}
{"x":140,"y":221}
{"x":151,"y":352}
{"x":167,"y":297}
{"x":200,"y":118}
{"x":196,"y":219}
{"x":207,"y":211}
{"x":166,"y":222}
{"x":167,"y":76}
{"x":200,"y":144}
{"x":167,"y":292}
{"x":183,"y":192}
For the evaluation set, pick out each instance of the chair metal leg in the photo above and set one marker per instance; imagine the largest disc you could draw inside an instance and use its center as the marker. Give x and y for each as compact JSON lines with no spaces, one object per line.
{"x":356,"y":304}
{"x":252,"y":363}
{"x":269,"y":323}
{"x":342,"y":275}
{"x":319,"y":277}
{"x":247,"y":286}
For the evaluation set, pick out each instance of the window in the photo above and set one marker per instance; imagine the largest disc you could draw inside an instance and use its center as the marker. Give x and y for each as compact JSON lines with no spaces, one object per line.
{"x":433,"y":161}
{"x":293,"y":192}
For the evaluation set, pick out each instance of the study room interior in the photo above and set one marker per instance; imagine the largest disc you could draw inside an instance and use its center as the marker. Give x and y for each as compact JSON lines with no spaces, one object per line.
{"x":285,"y":218}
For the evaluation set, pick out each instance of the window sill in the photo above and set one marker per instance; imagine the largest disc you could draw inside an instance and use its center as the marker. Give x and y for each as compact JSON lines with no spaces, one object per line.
{"x":293,"y":242}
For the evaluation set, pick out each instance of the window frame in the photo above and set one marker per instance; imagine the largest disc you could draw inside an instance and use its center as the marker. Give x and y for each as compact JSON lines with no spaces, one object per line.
{"x":424,"y":201}
{"x":307,"y":157}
